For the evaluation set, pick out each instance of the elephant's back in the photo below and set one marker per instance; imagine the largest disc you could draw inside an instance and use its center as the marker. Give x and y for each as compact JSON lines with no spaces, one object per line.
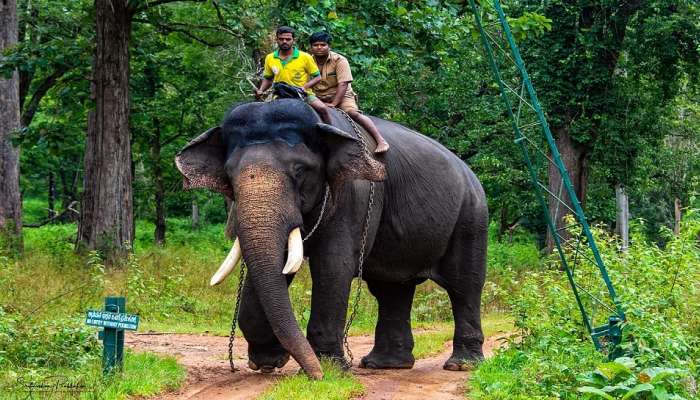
{"x":426,"y":188}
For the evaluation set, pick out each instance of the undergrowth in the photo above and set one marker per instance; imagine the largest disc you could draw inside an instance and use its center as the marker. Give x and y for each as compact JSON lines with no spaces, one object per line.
{"x":44,"y":295}
{"x":552,"y":355}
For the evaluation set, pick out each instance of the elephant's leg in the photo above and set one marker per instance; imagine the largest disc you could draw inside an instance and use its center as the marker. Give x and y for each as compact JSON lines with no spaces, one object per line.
{"x":264,"y":350}
{"x":393,"y":339}
{"x":462,"y":273}
{"x":329,"y":304}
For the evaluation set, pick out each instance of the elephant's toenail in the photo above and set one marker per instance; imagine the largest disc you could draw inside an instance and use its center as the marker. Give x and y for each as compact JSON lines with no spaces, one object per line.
{"x":451,"y":367}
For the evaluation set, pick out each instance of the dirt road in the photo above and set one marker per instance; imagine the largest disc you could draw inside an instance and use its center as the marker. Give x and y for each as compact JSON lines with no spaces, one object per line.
{"x":209,"y":377}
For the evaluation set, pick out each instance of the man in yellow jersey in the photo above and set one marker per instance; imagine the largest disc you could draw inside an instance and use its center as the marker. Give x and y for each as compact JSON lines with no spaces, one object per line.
{"x":293,"y":67}
{"x":335,"y":90}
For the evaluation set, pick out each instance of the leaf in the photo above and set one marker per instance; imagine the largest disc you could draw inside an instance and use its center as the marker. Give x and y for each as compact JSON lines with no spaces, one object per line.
{"x":595,"y":391}
{"x":626,"y":361}
{"x":660,"y":393}
{"x":655,"y":375}
{"x":613,"y":369}
{"x":642,"y":387}
{"x":332,"y":15}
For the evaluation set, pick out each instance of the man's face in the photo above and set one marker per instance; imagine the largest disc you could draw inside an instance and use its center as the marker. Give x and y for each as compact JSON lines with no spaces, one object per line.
{"x":320,"y":48}
{"x":285,"y":41}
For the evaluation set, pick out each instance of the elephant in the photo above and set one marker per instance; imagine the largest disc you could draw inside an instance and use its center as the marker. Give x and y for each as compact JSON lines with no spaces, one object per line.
{"x":428,"y":219}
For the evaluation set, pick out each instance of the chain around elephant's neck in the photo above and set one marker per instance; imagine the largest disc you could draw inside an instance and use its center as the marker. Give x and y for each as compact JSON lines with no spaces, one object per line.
{"x":320,"y":215}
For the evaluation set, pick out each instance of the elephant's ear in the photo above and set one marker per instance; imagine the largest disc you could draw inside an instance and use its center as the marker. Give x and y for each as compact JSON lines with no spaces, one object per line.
{"x":346,"y":159}
{"x":201,"y":162}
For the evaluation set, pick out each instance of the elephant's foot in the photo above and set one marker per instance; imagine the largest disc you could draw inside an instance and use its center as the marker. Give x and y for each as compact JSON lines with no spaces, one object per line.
{"x":266,"y":359}
{"x":463,"y":360}
{"x":376,"y":360}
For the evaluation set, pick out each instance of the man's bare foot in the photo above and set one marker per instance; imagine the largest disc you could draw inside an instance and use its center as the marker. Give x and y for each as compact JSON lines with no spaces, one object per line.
{"x":382,"y":147}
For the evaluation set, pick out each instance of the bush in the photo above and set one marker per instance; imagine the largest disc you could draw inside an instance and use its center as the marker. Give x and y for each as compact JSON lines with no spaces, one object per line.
{"x":552,"y":355}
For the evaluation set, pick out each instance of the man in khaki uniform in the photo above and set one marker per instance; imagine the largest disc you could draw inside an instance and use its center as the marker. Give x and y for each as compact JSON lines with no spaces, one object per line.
{"x":335,"y":90}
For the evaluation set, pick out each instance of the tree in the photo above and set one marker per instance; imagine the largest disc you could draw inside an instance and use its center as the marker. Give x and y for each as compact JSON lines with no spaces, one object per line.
{"x":106,"y":219}
{"x":10,"y":201}
{"x":581,"y":72}
{"x":51,"y":59}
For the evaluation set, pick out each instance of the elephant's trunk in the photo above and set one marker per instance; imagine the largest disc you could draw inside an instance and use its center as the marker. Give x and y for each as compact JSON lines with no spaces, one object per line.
{"x":265,"y":218}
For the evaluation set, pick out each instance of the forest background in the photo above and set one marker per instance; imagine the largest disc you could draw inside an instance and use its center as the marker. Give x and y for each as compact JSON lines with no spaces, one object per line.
{"x":619,"y":81}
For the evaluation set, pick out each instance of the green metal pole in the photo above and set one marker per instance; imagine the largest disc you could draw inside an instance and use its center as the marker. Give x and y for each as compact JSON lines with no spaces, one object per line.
{"x":533,"y":178}
{"x":555,"y":155}
{"x":113,"y":339}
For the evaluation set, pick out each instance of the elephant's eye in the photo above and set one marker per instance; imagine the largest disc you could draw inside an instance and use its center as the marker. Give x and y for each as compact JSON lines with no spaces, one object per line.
{"x":299,"y":171}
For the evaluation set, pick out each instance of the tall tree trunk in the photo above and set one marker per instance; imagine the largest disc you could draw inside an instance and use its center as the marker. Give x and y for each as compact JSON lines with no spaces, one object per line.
{"x":107,"y":218}
{"x":10,"y":199}
{"x":52,"y":194}
{"x":575,"y":159}
{"x":195,"y":214}
{"x":159,"y":234}
{"x":623,"y":216}
{"x":677,"y":213}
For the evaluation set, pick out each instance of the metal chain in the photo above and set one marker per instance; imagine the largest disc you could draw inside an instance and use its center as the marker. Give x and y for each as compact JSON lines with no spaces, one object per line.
{"x":320,"y":216}
{"x":358,"y":292}
{"x":363,"y":245}
{"x":234,"y":322}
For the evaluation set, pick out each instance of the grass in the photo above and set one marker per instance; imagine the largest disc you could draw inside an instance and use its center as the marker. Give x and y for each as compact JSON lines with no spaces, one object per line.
{"x":167,"y":287}
{"x":431,"y":342}
{"x":144,"y":374}
{"x":336,"y":385}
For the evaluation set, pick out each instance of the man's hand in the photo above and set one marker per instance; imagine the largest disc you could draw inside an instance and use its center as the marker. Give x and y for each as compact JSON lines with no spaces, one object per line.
{"x":258,"y":94}
{"x":302,"y":92}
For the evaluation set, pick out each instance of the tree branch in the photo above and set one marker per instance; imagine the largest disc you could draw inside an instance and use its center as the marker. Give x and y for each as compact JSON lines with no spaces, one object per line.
{"x":40,"y":92}
{"x":137,"y":6}
{"x":165,"y":29}
{"x":55,"y":217}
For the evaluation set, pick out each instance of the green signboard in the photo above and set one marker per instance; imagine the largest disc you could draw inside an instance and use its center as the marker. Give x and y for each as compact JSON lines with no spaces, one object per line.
{"x":108,"y":319}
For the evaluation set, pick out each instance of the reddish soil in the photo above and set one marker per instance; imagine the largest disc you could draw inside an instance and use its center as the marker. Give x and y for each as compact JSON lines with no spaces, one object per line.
{"x":209,"y":376}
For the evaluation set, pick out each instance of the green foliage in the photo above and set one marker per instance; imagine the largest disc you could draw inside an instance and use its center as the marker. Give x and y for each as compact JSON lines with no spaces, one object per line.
{"x":552,"y":354}
{"x":61,"y":343}
{"x":144,"y":374}
{"x":336,"y":385}
{"x":620,"y":379}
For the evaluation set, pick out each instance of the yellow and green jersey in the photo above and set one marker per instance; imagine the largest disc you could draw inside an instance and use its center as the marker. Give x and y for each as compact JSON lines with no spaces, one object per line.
{"x":295,"y":70}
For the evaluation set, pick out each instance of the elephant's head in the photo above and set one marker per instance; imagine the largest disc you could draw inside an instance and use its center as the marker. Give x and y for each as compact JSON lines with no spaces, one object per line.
{"x":274,"y":159}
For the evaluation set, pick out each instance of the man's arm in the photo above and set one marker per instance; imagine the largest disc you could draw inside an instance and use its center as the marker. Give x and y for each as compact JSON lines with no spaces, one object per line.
{"x":268,"y":77}
{"x":312,"y":82}
{"x":342,"y":71}
{"x":340,"y":92}
{"x":265,"y":84}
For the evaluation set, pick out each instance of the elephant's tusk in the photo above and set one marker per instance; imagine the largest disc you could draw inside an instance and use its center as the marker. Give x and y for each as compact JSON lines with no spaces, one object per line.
{"x":295,"y":255}
{"x":228,"y":265}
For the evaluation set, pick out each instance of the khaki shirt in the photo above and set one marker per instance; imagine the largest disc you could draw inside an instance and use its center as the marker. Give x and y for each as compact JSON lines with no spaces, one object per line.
{"x":334,"y":70}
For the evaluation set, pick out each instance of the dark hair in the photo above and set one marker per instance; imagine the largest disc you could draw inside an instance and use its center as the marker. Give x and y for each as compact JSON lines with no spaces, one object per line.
{"x":284,"y":29}
{"x":320,"y":37}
